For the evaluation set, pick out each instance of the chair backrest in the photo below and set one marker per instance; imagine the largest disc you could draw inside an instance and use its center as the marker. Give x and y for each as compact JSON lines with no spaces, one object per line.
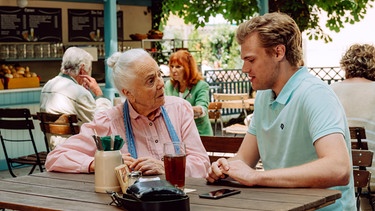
{"x":359,"y":134}
{"x":226,"y":97}
{"x":217,"y":146}
{"x":235,"y":101}
{"x":16,"y":119}
{"x":214,"y":112}
{"x":361,"y":160}
{"x":57,"y":124}
{"x":19,"y":119}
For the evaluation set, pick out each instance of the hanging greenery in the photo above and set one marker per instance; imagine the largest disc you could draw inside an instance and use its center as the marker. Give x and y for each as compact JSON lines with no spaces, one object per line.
{"x":306,"y":13}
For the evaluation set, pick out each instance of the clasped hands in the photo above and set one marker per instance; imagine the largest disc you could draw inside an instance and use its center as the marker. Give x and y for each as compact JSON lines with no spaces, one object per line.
{"x":236,"y":169}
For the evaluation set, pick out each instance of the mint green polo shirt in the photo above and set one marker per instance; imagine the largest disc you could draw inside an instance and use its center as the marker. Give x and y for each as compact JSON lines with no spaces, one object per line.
{"x":287,"y":127}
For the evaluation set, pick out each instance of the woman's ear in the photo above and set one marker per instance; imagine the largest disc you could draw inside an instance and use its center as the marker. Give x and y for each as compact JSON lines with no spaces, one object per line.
{"x":128,"y":95}
{"x":125,"y":92}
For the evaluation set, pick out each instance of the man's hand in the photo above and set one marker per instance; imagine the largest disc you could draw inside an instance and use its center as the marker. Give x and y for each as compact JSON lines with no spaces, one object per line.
{"x":90,"y":84}
{"x":217,"y":169}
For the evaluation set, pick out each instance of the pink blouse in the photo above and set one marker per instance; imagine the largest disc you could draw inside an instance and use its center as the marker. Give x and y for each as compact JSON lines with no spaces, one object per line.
{"x":77,"y":152}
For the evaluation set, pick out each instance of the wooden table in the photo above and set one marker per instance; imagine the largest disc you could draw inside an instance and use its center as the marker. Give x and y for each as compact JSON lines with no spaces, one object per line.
{"x":237,"y":104}
{"x":60,"y":191}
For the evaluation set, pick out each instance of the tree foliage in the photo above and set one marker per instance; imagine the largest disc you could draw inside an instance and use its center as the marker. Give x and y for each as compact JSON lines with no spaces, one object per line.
{"x":307,"y":13}
{"x":219,"y":46}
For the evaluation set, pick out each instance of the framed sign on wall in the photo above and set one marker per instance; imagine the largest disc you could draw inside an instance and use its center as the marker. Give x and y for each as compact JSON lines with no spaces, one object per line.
{"x":88,"y":25}
{"x":30,"y":24}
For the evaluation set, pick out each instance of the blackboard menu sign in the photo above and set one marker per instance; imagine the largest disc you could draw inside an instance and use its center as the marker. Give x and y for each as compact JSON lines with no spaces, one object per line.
{"x":30,"y":24}
{"x":88,"y":25}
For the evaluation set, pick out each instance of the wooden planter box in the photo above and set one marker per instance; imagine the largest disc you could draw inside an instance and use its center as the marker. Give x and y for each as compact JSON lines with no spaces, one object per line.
{"x":1,"y":83}
{"x":18,"y":83}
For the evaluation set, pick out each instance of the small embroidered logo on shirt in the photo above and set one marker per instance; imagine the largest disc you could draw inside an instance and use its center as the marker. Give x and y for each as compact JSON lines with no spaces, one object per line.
{"x":282,"y":126}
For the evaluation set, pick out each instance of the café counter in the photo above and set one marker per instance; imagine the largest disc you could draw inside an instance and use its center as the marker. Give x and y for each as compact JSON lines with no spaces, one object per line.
{"x":24,"y":97}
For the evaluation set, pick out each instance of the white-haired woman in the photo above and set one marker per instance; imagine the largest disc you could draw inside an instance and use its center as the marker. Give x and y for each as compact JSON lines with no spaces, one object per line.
{"x":146,"y":121}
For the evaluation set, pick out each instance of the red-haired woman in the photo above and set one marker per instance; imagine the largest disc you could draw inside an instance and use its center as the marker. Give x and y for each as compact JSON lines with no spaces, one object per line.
{"x":187,"y":82}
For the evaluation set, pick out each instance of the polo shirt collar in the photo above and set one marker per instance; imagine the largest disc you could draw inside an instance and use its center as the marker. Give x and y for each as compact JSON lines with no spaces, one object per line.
{"x":291,"y":85}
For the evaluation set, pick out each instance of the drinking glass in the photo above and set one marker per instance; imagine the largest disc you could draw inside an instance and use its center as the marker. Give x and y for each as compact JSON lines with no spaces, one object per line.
{"x":175,"y":163}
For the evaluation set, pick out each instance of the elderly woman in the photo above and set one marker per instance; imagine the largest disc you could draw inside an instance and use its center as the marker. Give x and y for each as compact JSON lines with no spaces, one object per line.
{"x":146,"y":121}
{"x":186,"y":82}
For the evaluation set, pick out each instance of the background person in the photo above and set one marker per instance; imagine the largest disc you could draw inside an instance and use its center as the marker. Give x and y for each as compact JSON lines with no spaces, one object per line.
{"x":71,"y":92}
{"x":298,"y":129}
{"x":357,"y":94}
{"x":146,"y":121}
{"x":187,"y":82}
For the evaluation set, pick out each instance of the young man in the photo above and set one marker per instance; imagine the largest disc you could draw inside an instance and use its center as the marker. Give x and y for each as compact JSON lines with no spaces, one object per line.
{"x":299,"y":129}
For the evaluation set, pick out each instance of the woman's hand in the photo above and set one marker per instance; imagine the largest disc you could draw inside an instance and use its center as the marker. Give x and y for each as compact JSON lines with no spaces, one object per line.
{"x":127,"y":158}
{"x":148,"y":166}
{"x":197,"y":111}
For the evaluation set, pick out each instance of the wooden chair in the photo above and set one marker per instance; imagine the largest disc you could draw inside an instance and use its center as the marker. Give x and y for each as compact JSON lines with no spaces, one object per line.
{"x":220,"y":146}
{"x":362,"y":158}
{"x":57,"y":124}
{"x":214,"y":112}
{"x":16,"y":120}
{"x":234,"y":101}
{"x":359,"y":134}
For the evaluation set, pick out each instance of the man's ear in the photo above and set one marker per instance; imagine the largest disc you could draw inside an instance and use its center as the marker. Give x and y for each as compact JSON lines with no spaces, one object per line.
{"x":82,"y":70}
{"x":280,"y":51}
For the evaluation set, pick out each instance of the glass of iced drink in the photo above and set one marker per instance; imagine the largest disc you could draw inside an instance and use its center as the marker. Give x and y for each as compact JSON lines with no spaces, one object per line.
{"x":175,"y":163}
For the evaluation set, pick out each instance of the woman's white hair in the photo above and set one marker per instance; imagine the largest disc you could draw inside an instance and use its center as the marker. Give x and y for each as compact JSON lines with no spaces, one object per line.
{"x":124,"y":66}
{"x":73,"y":59}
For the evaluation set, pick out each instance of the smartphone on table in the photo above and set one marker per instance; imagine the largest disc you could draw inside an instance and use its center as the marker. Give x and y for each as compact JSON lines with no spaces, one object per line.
{"x":217,"y":194}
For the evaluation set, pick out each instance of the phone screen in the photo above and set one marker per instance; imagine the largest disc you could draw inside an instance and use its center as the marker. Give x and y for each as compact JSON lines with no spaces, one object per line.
{"x":217,"y":194}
